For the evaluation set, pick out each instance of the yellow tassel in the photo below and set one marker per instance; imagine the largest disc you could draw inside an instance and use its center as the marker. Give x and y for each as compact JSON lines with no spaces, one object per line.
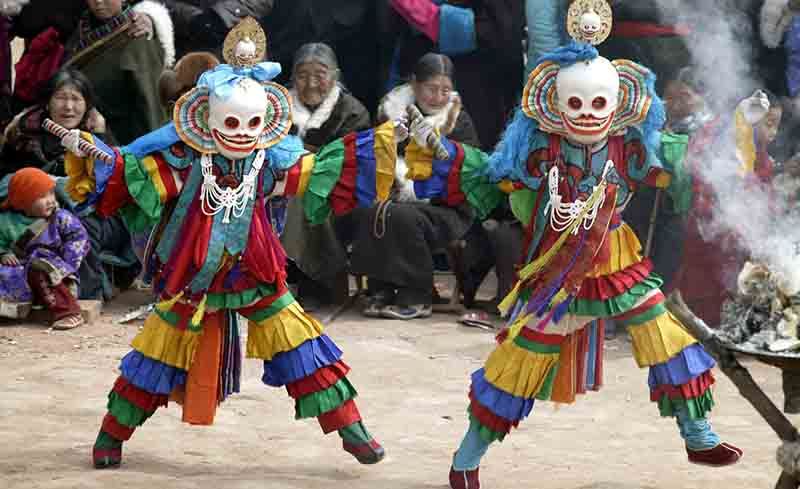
{"x":166,"y":305}
{"x":560,"y":297}
{"x":199,"y":312}
{"x":515,"y":328}
{"x":540,"y":263}
{"x":509,"y":300}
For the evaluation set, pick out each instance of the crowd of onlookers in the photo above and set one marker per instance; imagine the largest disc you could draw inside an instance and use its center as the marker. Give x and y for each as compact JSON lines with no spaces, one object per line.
{"x":115,"y":68}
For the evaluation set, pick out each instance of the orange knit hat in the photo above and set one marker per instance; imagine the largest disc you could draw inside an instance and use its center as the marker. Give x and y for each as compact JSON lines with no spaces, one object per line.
{"x":27,"y":185}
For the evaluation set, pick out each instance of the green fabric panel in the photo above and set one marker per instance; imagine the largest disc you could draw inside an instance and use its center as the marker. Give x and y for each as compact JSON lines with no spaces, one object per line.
{"x":321,"y":402}
{"x":106,"y":441}
{"x":534,"y":347}
{"x":135,"y":220}
{"x":522,"y":202}
{"x":697,"y":407}
{"x":481,"y":194}
{"x":616,"y":305}
{"x":171,"y":317}
{"x":546,"y":391}
{"x":126,"y":413}
{"x":280,"y":304}
{"x":486,"y":434}
{"x":141,"y":188}
{"x":356,"y":434}
{"x":237,"y":300}
{"x":673,"y":155}
{"x":12,"y":225}
{"x":646,"y":316}
{"x":324,"y":177}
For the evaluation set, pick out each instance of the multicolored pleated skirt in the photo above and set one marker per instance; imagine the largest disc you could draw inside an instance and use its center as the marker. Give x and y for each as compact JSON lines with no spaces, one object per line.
{"x":555,"y":359}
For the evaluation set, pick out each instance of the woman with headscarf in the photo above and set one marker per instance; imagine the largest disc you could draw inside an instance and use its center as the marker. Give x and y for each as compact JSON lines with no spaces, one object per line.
{"x":323,"y":110}
{"x":69,"y":100}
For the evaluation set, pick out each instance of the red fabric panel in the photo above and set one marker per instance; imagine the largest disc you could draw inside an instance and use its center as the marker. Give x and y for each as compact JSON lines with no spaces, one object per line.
{"x":116,"y":430}
{"x":318,"y":381}
{"x":455,"y":196}
{"x":690,"y":390}
{"x":341,"y":417}
{"x":116,"y":193}
{"x":343,"y":196}
{"x":138,"y":397}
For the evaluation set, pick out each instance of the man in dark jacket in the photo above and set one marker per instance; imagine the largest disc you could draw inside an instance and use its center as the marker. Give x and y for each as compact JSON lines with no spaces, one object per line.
{"x":201,"y":25}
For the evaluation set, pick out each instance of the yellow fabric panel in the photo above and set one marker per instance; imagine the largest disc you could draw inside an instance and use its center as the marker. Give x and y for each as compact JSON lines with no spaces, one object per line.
{"x":419,"y":161}
{"x":624,"y":251}
{"x":517,"y":371}
{"x":663,"y":180}
{"x":283,"y":332}
{"x":506,"y":186}
{"x":745,"y":144}
{"x":163,"y":342}
{"x":151,"y":167}
{"x":658,"y":340}
{"x":385,"y":149}
{"x":80,"y":173}
{"x":306,"y":167}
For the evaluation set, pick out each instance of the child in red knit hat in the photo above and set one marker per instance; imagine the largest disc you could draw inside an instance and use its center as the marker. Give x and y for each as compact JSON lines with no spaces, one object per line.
{"x":41,"y":248}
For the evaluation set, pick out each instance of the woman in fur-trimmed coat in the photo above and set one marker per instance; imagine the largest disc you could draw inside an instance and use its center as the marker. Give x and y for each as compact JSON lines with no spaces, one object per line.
{"x":393,"y":244}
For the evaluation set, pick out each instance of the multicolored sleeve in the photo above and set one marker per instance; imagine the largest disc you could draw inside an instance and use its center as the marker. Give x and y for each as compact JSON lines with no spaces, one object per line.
{"x":642,"y":167}
{"x":460,"y":178}
{"x":136,"y":188}
{"x":354,"y":171}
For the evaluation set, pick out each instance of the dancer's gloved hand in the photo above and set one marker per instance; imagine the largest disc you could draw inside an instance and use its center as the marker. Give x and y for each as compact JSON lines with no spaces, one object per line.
{"x":70,"y":142}
{"x":400,"y":129}
{"x":755,"y":108}
{"x":423,"y":132}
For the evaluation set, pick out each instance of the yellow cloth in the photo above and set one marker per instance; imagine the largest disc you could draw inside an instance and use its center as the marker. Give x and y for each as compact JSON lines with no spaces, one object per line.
{"x":518,"y":371}
{"x":658,"y":340}
{"x":745,"y":144}
{"x":80,"y":174}
{"x":385,"y":150}
{"x":419,"y":161}
{"x":161,"y":341}
{"x":282,"y":332}
{"x":624,"y":251}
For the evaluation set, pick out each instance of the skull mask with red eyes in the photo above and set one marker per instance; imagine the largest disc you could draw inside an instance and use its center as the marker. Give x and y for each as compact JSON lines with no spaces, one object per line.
{"x":588,"y":93}
{"x":237,"y":121}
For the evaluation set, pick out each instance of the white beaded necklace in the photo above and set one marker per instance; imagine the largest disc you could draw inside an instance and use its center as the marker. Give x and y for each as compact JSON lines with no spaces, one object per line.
{"x":214,"y":199}
{"x":565,"y":213}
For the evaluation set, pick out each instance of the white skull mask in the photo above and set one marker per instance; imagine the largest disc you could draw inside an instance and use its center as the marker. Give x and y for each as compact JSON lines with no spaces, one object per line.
{"x":591,"y":24}
{"x":588,"y":93}
{"x":236,"y":122}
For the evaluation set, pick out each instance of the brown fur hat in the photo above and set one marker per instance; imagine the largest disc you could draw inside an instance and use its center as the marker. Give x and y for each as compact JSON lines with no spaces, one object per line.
{"x":175,"y":82}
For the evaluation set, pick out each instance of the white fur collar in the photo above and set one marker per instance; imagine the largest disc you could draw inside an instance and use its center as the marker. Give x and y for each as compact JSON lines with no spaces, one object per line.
{"x":162,"y":25}
{"x":12,"y":7}
{"x":775,"y":19}
{"x":304,"y":119}
{"x":394,"y":104}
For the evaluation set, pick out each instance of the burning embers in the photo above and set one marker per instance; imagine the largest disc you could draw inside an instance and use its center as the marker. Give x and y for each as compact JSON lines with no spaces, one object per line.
{"x":764,"y":315}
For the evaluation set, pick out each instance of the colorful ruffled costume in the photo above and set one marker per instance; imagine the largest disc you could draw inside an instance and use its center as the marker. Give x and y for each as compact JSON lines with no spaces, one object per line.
{"x":576,"y":272}
{"x":208,"y":267}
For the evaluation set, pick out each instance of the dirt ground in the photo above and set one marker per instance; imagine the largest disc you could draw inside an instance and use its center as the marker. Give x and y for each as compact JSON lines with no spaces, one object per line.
{"x":412,"y":377}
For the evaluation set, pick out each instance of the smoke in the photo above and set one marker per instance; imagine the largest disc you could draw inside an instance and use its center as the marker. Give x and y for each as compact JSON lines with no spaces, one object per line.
{"x":747,"y":218}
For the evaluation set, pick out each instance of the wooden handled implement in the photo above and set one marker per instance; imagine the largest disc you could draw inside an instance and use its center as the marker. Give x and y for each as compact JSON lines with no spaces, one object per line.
{"x":740,"y":377}
{"x":90,"y":149}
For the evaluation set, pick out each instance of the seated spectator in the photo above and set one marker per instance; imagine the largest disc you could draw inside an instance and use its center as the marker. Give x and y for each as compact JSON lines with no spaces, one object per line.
{"x":322,"y":111}
{"x":394,"y":243}
{"x":69,"y":101}
{"x":41,"y":249}
{"x":123,"y":70}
